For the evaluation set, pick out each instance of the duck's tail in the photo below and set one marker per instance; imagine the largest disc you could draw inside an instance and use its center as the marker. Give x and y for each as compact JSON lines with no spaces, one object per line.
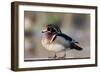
{"x":75,"y":46}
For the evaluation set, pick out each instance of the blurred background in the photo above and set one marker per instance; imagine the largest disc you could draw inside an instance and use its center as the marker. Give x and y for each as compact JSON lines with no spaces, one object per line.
{"x":74,"y":25}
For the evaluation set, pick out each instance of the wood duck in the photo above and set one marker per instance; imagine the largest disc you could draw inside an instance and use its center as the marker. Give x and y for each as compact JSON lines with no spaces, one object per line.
{"x":56,"y":41}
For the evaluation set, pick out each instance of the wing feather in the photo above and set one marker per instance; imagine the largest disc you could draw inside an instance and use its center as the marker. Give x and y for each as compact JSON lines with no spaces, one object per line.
{"x":62,"y":41}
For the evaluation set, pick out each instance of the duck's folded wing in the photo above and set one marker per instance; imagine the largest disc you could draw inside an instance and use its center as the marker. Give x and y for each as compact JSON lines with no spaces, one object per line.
{"x":62,"y":41}
{"x":66,"y":37}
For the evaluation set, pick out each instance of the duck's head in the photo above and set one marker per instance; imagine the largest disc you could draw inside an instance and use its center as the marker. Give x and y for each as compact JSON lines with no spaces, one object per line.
{"x":51,"y":28}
